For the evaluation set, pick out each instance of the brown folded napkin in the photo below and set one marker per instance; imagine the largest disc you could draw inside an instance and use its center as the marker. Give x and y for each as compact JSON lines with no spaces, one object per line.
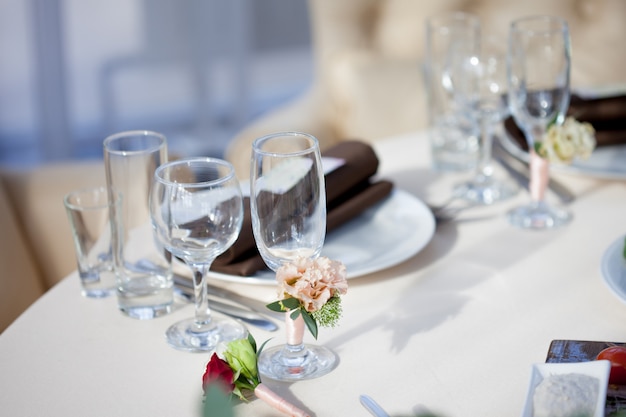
{"x":349,"y":192}
{"x":607,"y":115}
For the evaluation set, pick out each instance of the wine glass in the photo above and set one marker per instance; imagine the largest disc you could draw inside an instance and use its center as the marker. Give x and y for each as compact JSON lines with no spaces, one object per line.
{"x":539,"y":77}
{"x":288,"y":207}
{"x":197,"y":210}
{"x":482,"y":86}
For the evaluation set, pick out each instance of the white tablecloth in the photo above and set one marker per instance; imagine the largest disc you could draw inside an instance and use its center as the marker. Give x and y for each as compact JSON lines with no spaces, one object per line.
{"x":455,"y":328}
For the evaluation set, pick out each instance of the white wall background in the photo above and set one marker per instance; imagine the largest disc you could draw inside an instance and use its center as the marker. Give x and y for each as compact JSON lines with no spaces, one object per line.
{"x":74,"y":71}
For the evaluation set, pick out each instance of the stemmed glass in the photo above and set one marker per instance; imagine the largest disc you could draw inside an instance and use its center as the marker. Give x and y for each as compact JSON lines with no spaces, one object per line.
{"x":288,"y":207}
{"x":539,"y":77}
{"x":197,"y":210}
{"x":482,"y":86}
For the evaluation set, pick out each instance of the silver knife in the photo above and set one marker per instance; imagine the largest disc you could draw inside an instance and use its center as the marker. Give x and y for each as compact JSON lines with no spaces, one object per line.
{"x":251,"y":303}
{"x":242,"y":314}
{"x":520,"y":173}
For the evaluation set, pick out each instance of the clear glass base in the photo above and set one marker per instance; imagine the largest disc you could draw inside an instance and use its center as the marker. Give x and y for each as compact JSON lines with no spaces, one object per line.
{"x":296,"y":362}
{"x":485,"y":190}
{"x":98,"y":293}
{"x":146,"y":312}
{"x":538,"y":216}
{"x":188,"y":336}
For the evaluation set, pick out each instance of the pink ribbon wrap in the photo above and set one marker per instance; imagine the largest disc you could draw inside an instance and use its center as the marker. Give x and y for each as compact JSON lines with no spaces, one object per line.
{"x":539,"y":176}
{"x":295,"y":329}
{"x":278,"y":403}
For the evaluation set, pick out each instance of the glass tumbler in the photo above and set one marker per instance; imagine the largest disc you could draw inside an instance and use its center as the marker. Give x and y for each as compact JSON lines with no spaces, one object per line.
{"x":143,"y":267}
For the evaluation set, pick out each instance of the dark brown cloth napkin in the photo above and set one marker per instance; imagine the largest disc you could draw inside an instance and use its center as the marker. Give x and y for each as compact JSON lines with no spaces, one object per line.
{"x":607,"y":115}
{"x":349,"y":192}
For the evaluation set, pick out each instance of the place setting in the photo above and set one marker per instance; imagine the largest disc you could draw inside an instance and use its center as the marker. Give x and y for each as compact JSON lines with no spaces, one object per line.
{"x":480,"y":88}
{"x":604,"y":109}
{"x":306,"y":222}
{"x":371,"y":224}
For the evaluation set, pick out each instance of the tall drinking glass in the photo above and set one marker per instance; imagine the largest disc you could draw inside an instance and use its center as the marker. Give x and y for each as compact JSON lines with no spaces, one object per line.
{"x":197,"y":211}
{"x":288,"y":206}
{"x":539,"y":79}
{"x":143,"y":269}
{"x":482,"y":85}
{"x":453,"y":132}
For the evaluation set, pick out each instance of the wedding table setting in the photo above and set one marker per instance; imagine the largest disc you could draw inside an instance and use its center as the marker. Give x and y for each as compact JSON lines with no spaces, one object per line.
{"x":454,"y":327}
{"x":360,"y":275}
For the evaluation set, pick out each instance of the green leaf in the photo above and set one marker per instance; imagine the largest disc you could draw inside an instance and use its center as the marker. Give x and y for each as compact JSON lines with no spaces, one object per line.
{"x":252,"y":342}
{"x":284,"y":304}
{"x":217,"y":403}
{"x":275,"y":306}
{"x":262,"y":346}
{"x":310,"y":323}
{"x":624,"y":253}
{"x":294,"y":314}
{"x":290,"y":303}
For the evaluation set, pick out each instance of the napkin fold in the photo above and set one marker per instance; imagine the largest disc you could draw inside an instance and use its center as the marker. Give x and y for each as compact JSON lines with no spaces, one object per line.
{"x":607,"y":115}
{"x":349,"y":192}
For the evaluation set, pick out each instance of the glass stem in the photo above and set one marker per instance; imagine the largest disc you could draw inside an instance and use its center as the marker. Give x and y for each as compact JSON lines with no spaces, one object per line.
{"x":203,"y":312}
{"x":483,"y":169}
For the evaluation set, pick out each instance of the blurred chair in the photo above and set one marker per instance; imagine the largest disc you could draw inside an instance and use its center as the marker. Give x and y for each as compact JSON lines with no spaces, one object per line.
{"x":368,"y":70}
{"x":36,"y":249}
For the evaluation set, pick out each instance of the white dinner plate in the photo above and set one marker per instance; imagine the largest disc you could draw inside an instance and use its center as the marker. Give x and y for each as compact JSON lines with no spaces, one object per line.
{"x":596,"y":369}
{"x":605,"y":162}
{"x":614,"y":269}
{"x":385,"y":235}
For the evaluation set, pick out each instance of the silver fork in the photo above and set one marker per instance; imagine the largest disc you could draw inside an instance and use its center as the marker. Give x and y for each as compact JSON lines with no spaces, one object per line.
{"x":448,"y":210}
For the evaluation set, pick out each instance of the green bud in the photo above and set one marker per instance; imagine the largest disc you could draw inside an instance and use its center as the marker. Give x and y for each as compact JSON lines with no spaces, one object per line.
{"x":242,"y":358}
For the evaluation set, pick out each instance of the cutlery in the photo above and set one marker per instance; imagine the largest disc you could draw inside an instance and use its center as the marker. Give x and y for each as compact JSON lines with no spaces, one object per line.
{"x":247,"y":316}
{"x":372,"y":406}
{"x":250,"y":303}
{"x":447,"y":211}
{"x":519,"y":172}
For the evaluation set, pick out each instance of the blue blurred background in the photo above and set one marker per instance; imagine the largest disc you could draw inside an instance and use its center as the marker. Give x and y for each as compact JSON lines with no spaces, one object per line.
{"x":74,"y":71}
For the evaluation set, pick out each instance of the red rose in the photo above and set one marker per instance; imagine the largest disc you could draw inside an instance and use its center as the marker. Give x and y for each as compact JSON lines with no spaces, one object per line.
{"x":218,"y":370}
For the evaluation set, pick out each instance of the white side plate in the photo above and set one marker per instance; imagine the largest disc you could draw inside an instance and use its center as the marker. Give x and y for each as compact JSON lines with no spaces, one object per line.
{"x":614,"y":269}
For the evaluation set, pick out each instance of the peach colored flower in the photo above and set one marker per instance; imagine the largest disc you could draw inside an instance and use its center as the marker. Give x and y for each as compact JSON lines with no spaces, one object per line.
{"x":312,"y":281}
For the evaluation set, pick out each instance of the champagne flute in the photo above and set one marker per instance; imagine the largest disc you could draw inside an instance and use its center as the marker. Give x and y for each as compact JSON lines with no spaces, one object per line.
{"x":197,"y":211}
{"x":288,"y":207}
{"x":538,"y":67}
{"x":482,"y":87}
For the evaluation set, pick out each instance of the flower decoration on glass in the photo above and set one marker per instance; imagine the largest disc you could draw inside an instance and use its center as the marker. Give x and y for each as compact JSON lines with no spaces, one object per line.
{"x":562,"y":143}
{"x":311,"y":288}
